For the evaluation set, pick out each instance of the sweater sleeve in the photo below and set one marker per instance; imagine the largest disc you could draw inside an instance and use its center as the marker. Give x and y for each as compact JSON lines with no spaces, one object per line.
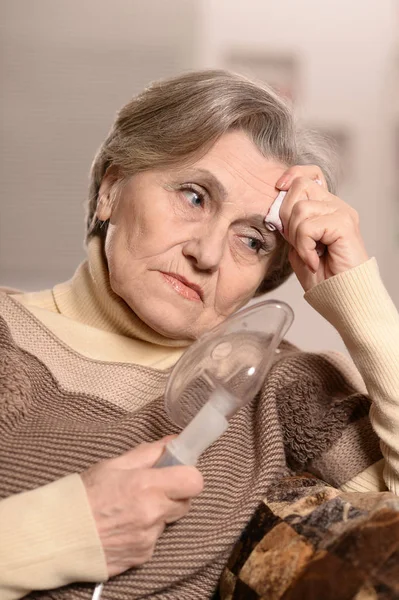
{"x":357,"y":304}
{"x":48,"y":539}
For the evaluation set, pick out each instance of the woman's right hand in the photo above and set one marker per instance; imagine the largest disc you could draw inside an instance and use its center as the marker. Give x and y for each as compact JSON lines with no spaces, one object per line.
{"x":132,"y":503}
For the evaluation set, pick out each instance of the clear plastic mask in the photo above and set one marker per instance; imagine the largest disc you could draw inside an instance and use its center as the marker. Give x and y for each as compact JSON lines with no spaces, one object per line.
{"x":221,"y":372}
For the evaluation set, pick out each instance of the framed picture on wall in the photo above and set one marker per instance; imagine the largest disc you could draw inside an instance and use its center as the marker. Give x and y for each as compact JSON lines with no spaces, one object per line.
{"x":280,"y":71}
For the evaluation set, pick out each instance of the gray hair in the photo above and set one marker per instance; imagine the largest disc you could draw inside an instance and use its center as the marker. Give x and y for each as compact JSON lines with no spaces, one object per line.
{"x":178,"y":119}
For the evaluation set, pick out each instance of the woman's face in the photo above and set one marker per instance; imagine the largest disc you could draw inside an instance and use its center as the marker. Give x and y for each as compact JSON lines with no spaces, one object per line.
{"x":187,"y":246}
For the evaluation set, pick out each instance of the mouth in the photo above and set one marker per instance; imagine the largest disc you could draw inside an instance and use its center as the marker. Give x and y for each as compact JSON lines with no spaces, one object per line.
{"x":187,"y":289}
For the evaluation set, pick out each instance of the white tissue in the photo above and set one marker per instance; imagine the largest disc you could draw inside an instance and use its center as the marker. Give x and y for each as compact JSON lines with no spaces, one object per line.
{"x":272,"y":219}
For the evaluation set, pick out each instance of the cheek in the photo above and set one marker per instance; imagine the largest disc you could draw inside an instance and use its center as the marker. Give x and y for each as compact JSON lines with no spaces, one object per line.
{"x":143,"y":228}
{"x":236,"y":286}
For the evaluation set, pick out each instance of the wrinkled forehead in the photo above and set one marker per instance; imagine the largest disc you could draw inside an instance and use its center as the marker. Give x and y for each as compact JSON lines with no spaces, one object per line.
{"x":237,"y":171}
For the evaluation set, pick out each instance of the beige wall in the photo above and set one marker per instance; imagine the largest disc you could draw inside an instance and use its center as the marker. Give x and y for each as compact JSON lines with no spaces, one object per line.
{"x":68,"y":66}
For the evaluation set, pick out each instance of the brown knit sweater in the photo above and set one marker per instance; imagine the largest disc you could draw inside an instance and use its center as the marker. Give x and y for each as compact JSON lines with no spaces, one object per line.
{"x":61,"y":412}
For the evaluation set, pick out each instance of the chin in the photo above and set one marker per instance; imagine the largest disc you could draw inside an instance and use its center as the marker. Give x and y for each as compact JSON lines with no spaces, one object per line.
{"x":170,"y":320}
{"x":175,"y":328}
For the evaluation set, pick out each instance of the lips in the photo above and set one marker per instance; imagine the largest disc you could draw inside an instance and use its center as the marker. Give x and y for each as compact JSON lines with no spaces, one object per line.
{"x":187,"y":289}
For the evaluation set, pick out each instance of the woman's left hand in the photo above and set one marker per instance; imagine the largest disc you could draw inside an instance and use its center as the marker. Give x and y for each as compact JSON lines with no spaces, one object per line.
{"x":311,"y":214}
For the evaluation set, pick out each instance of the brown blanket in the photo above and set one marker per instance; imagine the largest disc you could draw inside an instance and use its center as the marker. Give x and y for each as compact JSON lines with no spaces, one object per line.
{"x":309,"y":541}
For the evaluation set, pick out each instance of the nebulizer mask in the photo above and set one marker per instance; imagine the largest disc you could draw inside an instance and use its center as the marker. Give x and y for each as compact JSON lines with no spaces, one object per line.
{"x":222,"y":371}
{"x":218,"y":374}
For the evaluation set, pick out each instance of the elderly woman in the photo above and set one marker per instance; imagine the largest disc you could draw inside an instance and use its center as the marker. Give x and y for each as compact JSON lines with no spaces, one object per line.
{"x":176,"y":242}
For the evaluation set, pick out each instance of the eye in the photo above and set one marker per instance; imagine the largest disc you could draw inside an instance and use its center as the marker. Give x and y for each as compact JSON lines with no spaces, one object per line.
{"x":253,"y":243}
{"x":257,"y":245}
{"x":194,"y":196}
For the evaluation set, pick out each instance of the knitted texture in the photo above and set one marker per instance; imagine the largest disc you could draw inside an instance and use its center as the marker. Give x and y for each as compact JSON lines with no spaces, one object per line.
{"x":56,"y":421}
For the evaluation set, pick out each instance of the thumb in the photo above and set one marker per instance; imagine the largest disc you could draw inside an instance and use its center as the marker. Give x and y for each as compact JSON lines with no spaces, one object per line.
{"x":144,"y":456}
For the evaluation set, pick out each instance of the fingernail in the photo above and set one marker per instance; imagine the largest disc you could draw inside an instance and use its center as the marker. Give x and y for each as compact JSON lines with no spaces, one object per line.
{"x":284,"y":181}
{"x":281,"y":184}
{"x":313,"y":265}
{"x":270,"y":226}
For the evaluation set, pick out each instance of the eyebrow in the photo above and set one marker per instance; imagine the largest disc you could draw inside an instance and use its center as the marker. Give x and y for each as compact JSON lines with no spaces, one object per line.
{"x":207,"y":178}
{"x":258,"y":221}
{"x":213,"y":183}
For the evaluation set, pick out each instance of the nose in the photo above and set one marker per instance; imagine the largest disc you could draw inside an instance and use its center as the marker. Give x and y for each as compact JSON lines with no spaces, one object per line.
{"x":205,"y":249}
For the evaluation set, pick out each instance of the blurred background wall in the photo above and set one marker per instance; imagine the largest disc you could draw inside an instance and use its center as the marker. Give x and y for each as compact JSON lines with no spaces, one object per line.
{"x":66,"y":67}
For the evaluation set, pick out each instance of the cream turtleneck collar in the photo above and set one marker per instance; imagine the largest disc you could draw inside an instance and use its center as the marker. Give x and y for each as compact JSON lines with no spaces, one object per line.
{"x":86,"y":315}
{"x":89,"y":299}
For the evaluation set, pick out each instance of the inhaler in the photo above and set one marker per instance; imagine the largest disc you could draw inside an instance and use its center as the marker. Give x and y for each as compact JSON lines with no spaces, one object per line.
{"x":222,"y":371}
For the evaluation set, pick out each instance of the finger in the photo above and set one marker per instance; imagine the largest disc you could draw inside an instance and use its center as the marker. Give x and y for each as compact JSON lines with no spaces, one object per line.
{"x":301,"y":189}
{"x":306,"y":249}
{"x":176,"y":510}
{"x":312,"y":172}
{"x":326,"y":229}
{"x":296,"y":261}
{"x":178,"y":483}
{"x":155,"y":507}
{"x":304,"y":210}
{"x":143,"y":456}
{"x":305,"y":276}
{"x":300,"y":268}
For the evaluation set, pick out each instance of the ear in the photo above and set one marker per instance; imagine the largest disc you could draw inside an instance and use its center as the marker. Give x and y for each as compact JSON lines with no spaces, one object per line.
{"x":105,"y":195}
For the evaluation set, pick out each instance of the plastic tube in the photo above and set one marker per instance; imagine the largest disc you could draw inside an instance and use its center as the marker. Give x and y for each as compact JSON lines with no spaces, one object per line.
{"x":208,"y":425}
